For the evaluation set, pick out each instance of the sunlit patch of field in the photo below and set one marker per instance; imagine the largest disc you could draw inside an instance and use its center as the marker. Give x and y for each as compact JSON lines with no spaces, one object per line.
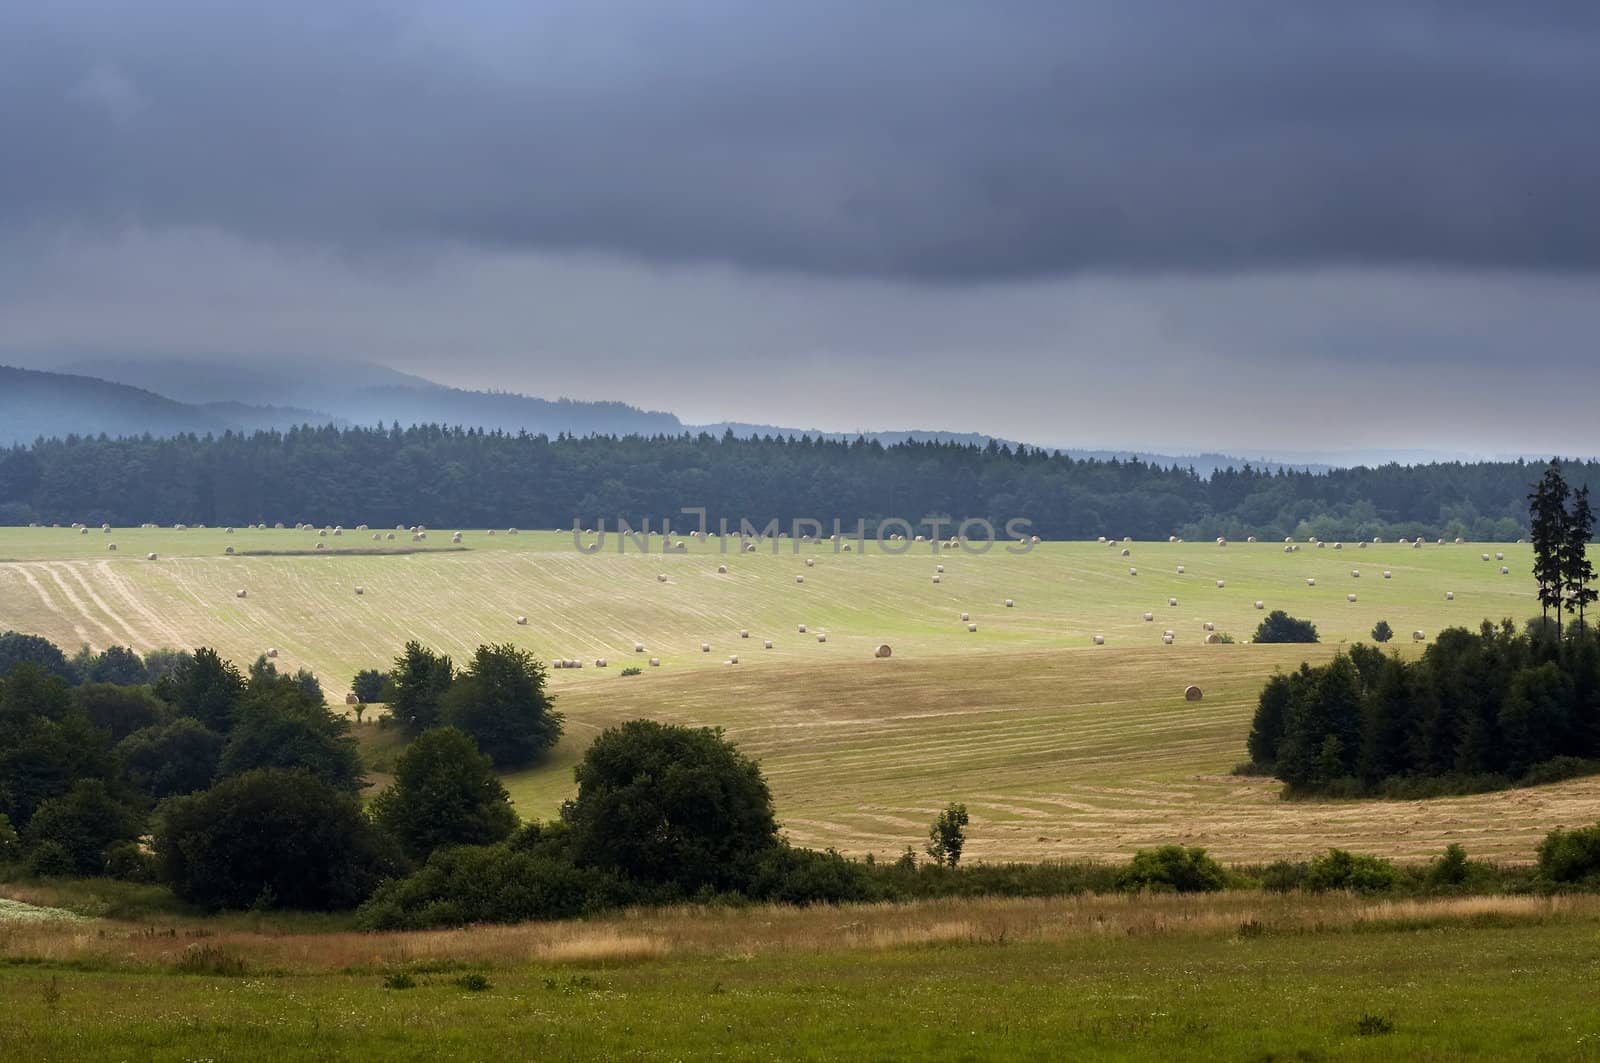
{"x":1059,"y":747}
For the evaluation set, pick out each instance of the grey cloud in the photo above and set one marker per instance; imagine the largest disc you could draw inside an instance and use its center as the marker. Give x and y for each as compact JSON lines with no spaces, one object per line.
{"x":943,"y":142}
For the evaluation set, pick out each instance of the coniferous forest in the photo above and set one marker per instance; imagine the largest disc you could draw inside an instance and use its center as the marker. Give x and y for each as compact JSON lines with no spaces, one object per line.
{"x":464,"y":477}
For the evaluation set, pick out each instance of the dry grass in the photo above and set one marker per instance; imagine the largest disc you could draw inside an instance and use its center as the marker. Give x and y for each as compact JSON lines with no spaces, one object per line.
{"x":744,"y":933}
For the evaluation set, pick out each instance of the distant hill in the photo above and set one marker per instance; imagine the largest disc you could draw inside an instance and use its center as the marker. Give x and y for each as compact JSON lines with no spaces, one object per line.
{"x":34,"y":404}
{"x":321,"y":391}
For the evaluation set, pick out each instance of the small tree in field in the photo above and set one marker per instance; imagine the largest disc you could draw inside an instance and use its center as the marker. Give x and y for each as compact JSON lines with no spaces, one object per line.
{"x":1279,"y":626}
{"x":948,"y":835}
{"x":501,"y":702}
{"x":1382,"y":632}
{"x":368,"y":686}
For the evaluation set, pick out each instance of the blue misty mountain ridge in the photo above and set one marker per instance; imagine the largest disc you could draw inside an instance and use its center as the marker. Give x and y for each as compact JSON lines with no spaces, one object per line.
{"x":132,"y":395}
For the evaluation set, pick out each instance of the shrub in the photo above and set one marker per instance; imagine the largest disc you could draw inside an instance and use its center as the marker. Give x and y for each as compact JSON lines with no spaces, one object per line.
{"x":1173,"y":869}
{"x":805,"y":876}
{"x":85,"y":822}
{"x":280,"y":724}
{"x":279,"y":835}
{"x":1571,"y":857}
{"x":633,"y":670}
{"x":1279,"y":626}
{"x":490,"y":884}
{"x":1382,"y":632}
{"x":445,"y":793}
{"x":1450,"y":869}
{"x":121,"y":710}
{"x":669,"y":805}
{"x":50,"y":860}
{"x":127,"y":862}
{"x":1340,"y":870}
{"x":10,"y":844}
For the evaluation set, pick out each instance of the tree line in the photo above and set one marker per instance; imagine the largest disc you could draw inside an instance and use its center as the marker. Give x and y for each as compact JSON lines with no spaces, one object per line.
{"x":1477,"y":710}
{"x":469,"y":477}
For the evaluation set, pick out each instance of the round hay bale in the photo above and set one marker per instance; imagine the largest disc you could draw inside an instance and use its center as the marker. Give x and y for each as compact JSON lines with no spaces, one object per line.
{"x":1288,"y":549}
{"x":377,"y":536}
{"x":1126,"y":552}
{"x":1208,"y":625}
{"x":1288,"y":538}
{"x":226,"y":549}
{"x":1149,"y":617}
{"x":1127,"y":538}
{"x":1250,"y":538}
{"x":1338,"y":546}
{"x":733,"y":658}
{"x":802,"y":579}
{"x":1504,"y":571}
{"x":1102,"y":539}
{"x":938,"y":568}
{"x":1418,"y":635}
{"x":456,"y":538}
{"x":1010,"y":603}
{"x":272,"y":651}
{"x":1499,"y":555}
{"x":1220,"y":583}
{"x":811,"y":562}
{"x":1035,"y":540}
{"x":83,"y":530}
{"x":1172,"y":538}
{"x":750,"y":548}
{"x":766,"y":644}
{"x":522,"y":621}
{"x":1180,"y":570}
{"x":705,"y":647}
{"x":1133,"y":572}
{"x":322,"y":533}
{"x":322,"y":546}
{"x":679,"y":545}
{"x":112,"y":547}
{"x":1387,"y":574}
{"x":1213,"y":639}
{"x":936,"y":577}
{"x":599,"y":662}
{"x":743,"y":633}
{"x":1484,"y":557}
{"x":1222,"y":541}
{"x":822,"y":636}
{"x":1320,"y":544}
{"x":638,"y":647}
{"x":1172,"y":601}
{"x":1355,"y":573}
{"x":800,"y":628}
{"x":149,"y":557}
{"x":722,"y":570}
{"x":1260,"y":604}
{"x":655,"y":662}
{"x":1099,"y":640}
{"x":1362,"y":545}
{"x":1449,"y":596}
{"x":1192,"y":693}
{"x":361,"y":590}
{"x":847,"y":548}
{"x":883,"y":650}
{"x":1166,"y":640}
{"x":661,"y":577}
{"x":1311,"y":581}
{"x":1349,"y":597}
{"x":965,"y":618}
{"x":972,"y":627}
{"x":240,"y":593}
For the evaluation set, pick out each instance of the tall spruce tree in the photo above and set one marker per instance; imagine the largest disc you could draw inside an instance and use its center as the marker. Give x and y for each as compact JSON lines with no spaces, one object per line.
{"x":1547,"y":512}
{"x":1578,"y":573}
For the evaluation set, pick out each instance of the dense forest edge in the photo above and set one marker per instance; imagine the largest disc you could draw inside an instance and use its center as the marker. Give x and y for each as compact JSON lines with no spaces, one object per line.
{"x":463,"y":477}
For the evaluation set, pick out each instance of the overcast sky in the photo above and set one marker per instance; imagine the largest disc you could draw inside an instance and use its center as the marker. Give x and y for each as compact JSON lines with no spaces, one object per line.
{"x":1236,"y":225}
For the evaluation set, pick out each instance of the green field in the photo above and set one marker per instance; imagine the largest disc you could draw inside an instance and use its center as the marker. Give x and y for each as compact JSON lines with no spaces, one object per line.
{"x":1235,"y":976}
{"x":1059,"y":747}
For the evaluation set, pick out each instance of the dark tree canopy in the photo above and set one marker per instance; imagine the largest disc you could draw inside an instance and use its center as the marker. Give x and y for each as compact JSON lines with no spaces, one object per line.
{"x":445,"y":793}
{"x":281,"y":724}
{"x":271,"y":838}
{"x":205,"y":687}
{"x":418,"y":683}
{"x":120,"y":710}
{"x":367,"y":686}
{"x":501,"y":702}
{"x":173,"y":759}
{"x":671,"y":805}
{"x":84,"y":822}
{"x":17,"y":648}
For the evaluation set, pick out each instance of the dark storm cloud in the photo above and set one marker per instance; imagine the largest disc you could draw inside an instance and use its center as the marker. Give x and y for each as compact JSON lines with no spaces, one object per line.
{"x":925,"y":141}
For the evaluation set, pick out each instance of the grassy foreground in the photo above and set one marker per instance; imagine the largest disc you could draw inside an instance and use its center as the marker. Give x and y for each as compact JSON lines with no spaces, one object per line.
{"x":1237,"y":977}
